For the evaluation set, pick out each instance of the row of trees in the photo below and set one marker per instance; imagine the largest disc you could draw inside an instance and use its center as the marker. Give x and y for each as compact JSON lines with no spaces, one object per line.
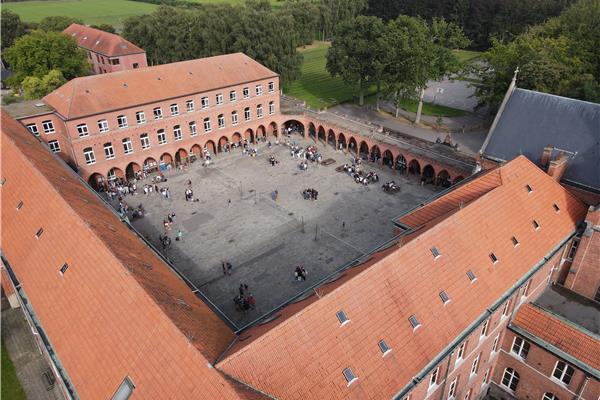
{"x":562,"y":57}
{"x":398,"y":57}
{"x":481,"y":20}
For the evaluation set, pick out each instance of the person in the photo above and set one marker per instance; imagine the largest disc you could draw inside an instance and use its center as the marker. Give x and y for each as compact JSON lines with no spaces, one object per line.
{"x":303,"y":273}
{"x":343,"y":224}
{"x":179,"y":237}
{"x":223,"y":266}
{"x":229,"y":267}
{"x":241,"y":289}
{"x":251,"y":301}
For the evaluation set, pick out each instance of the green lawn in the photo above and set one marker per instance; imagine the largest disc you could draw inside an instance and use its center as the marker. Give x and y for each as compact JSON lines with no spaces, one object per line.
{"x":466,"y":56}
{"x":10,"y":388}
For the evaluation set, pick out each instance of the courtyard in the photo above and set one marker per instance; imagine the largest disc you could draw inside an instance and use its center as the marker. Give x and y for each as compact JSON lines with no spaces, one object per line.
{"x":236,"y":220}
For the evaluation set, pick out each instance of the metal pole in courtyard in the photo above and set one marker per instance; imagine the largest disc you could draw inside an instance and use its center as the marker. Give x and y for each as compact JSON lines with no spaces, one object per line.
{"x":316,"y":231}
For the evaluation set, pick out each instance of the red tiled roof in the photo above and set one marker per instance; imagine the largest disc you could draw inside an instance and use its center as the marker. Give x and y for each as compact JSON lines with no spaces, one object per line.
{"x":102,"y":42}
{"x":304,"y":352}
{"x":118,"y":310}
{"x":560,"y":334}
{"x":96,"y":94}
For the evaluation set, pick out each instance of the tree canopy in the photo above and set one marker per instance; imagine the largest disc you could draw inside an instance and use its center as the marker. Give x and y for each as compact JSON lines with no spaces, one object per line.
{"x":12,"y":28}
{"x":57,"y":23}
{"x":105,"y":27}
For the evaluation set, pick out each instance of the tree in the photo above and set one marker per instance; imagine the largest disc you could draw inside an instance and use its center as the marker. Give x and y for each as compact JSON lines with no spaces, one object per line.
{"x":105,"y":27}
{"x":448,"y":34}
{"x":57,"y":23}
{"x":36,"y":54}
{"x":12,"y":28}
{"x":35,"y":88}
{"x":356,"y":53}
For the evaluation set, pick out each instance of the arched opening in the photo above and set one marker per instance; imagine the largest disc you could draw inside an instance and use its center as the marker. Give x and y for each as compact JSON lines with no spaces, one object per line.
{"x":272,"y":131}
{"x":429,"y":174}
{"x":388,"y":159}
{"x":150,"y":165}
{"x":293,"y":126}
{"x":353,"y":146}
{"x":458,"y":179}
{"x":364,"y":150}
{"x":181,"y":157}
{"x":312,"y":131}
{"x":375,"y":153}
{"x":331,"y":139}
{"x":223,"y":144}
{"x":236,"y":138}
{"x":261,"y":133}
{"x":443,"y":179}
{"x":249,"y":135}
{"x":210,"y":146}
{"x":414,"y":168}
{"x":400,"y":164}
{"x":131,"y":170}
{"x":165,"y":161}
{"x":322,"y":137}
{"x":97,"y":182}
{"x":510,"y":379}
{"x":195,"y":152}
{"x":114,"y":174}
{"x":342,"y":142}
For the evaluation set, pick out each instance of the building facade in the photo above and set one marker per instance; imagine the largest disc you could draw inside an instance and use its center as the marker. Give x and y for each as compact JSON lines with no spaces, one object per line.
{"x":107,"y":52}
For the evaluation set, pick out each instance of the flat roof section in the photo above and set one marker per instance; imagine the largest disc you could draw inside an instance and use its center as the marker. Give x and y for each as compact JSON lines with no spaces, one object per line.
{"x":27,"y":108}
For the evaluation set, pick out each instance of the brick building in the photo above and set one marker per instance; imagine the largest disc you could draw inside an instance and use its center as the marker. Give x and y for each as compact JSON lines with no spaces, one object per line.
{"x":106,"y":51}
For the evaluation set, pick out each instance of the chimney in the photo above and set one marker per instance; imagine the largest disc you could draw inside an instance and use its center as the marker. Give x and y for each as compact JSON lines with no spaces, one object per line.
{"x":557,"y":167}
{"x":546,"y":155}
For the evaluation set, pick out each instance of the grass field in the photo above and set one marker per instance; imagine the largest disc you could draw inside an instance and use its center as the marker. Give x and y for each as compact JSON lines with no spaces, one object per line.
{"x":10,"y":387}
{"x":466,"y":56}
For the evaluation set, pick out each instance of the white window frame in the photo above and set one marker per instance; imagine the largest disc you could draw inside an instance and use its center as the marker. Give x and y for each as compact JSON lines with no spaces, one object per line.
{"x":514,"y":374}
{"x":54,"y":146}
{"x":505,"y":310}
{"x":140,"y":117}
{"x":525,"y":291}
{"x":127,"y":145}
{"x":190,"y":105}
{"x":103,"y":126}
{"x":157,"y":113}
{"x":519,"y":348}
{"x":433,"y":378}
{"x":258,"y":90}
{"x":460,"y":354}
{"x":193,"y":128}
{"x":486,"y":375}
{"x":232,"y":96}
{"x":247,"y":114}
{"x":573,"y":249}
{"x":109,"y":151}
{"x":484,"y":329}
{"x":122,"y":121}
{"x":221,"y":121}
{"x":468,"y":394}
{"x":89,"y":156}
{"x":145,"y":141}
{"x":271,"y":87}
{"x":495,"y":344}
{"x":205,"y":102}
{"x":475,"y":365}
{"x":234,"y":118}
{"x":174,"y":109}
{"x":271,"y":108}
{"x":219,"y":99}
{"x":177,"y":133}
{"x":33,"y":128}
{"x":161,"y":135}
{"x":259,"y":111}
{"x":563,"y":373}
{"x":82,"y":130}
{"x":246,"y":92}
{"x":452,"y":388}
{"x":48,"y":127}
{"x":549,"y":396}
{"x":207,"y":125}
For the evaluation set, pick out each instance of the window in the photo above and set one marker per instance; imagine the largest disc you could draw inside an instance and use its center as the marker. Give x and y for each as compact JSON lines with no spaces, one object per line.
{"x":247,"y":113}
{"x":486,"y":376}
{"x":495,"y":344}
{"x":114,"y":61}
{"x":597,"y":296}
{"x":39,"y":233}
{"x":573,"y":249}
{"x":204,"y":101}
{"x":563,"y":372}
{"x":140,"y":117}
{"x":221,"y":121}
{"x":350,"y":377}
{"x":549,"y":396}
{"x":259,"y":111}
{"x":64,"y":268}
{"x":414,"y":322}
{"x":505,"y":310}
{"x":162,"y":136}
{"x":234,"y":118}
{"x":127,"y":146}
{"x":19,"y":206}
{"x":103,"y":126}
{"x":535,"y":224}
{"x":33,"y":129}
{"x":484,"y":329}
{"x":520,"y":347}
{"x":461,"y":351}
{"x":258,"y":90}
{"x":48,"y":127}
{"x":174,"y":109}
{"x":136,"y":65}
{"x":54,"y":146}
{"x":384,"y":347}
{"x":246,"y":92}
{"x":145,"y":141}
{"x":433,"y":378}
{"x":219,"y":98}
{"x":271,"y":87}
{"x":109,"y":152}
{"x":232,"y":96}
{"x":177,"y":132}
{"x":510,"y":379}
{"x":556,"y":208}
{"x":82,"y":130}
{"x":529,"y":189}
{"x":515,"y":241}
{"x":207,"y":127}
{"x":475,"y":365}
{"x":452,"y":388}
{"x":88,"y":154}
{"x":342,"y":317}
{"x":122,"y":121}
{"x":193,"y":130}
{"x":468,"y":394}
{"x":436,"y":253}
{"x":526,"y":288}
{"x":471,"y":276}
{"x":493,"y":258}
{"x":157,"y":113}
{"x":444,"y":297}
{"x":189,"y":105}
{"x":271,"y":108}
{"x":124,"y":391}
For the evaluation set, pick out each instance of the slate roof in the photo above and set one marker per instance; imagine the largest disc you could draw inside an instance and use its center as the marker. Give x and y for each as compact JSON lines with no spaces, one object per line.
{"x":102,"y":42}
{"x":96,"y":94}
{"x":533,"y":120}
{"x":302,"y":353}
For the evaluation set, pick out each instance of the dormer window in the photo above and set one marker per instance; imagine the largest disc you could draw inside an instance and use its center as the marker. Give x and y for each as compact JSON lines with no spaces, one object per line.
{"x":528,"y":188}
{"x":436,"y":253}
{"x":414,"y":322}
{"x":444,"y":297}
{"x":342,"y":317}
{"x":493,"y":258}
{"x":536,"y":225}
